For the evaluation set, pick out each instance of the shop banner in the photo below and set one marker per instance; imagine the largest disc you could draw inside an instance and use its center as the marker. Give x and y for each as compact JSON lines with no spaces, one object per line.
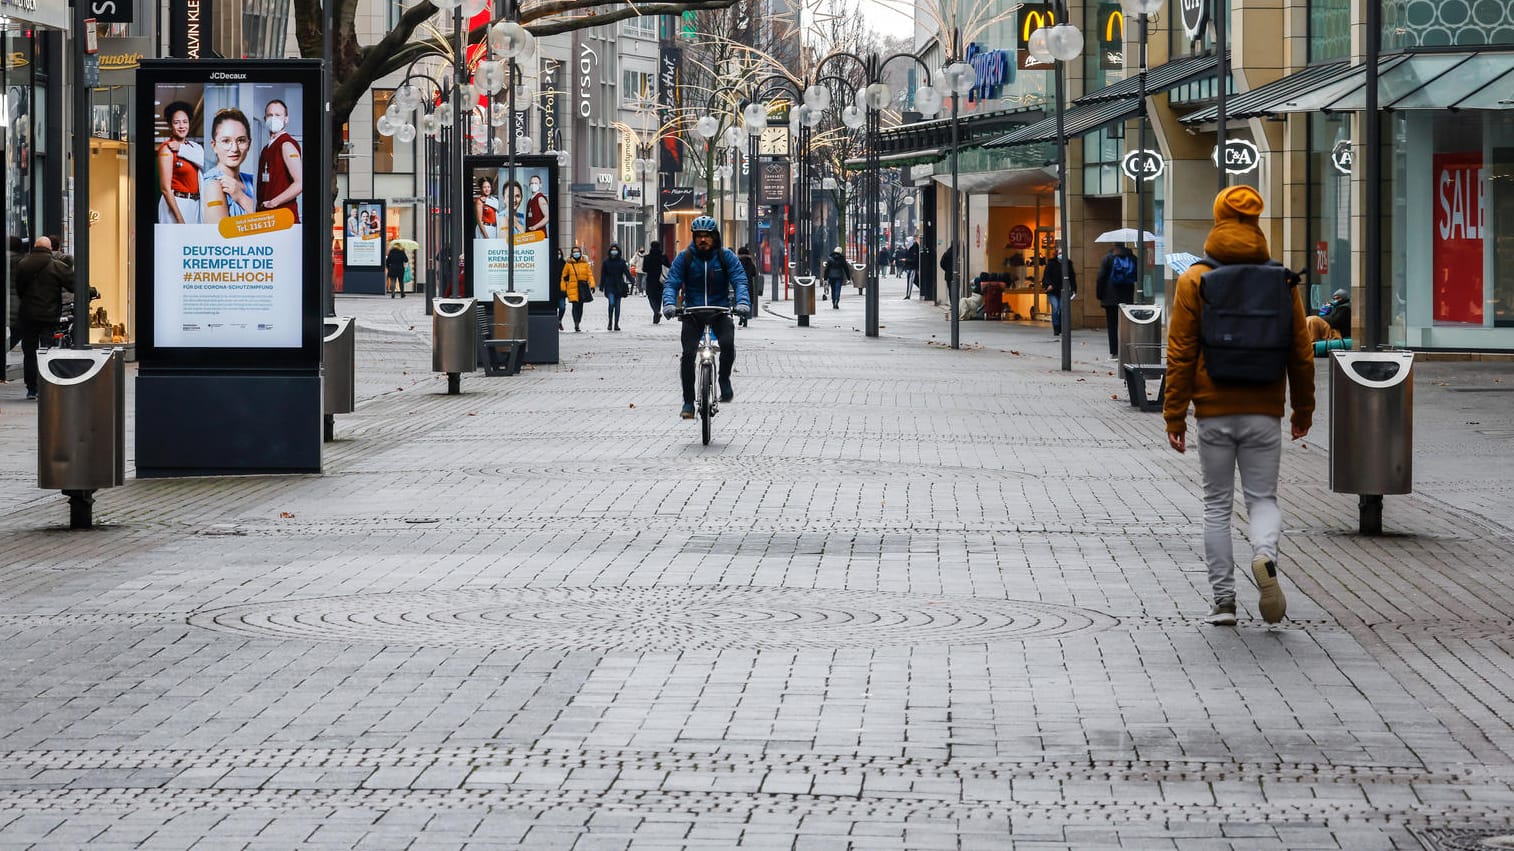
{"x":512,"y":207}
{"x":364,"y":236}
{"x":1457,"y":238}
{"x":230,"y":266}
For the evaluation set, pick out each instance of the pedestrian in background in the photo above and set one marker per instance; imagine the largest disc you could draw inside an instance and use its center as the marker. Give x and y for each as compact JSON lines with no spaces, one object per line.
{"x":41,"y":280}
{"x":577,"y":283}
{"x":754,"y":283}
{"x":13,"y":319}
{"x":653,"y":266}
{"x":1239,"y":425}
{"x":911,"y":264}
{"x":615,"y":283}
{"x":561,"y":296}
{"x":1051,"y":282}
{"x":1115,"y":286}
{"x":835,"y":274}
{"x":394,"y":266}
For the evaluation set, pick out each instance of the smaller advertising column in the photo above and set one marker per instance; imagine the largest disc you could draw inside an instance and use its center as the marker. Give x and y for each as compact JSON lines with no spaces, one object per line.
{"x":363,"y":246}
{"x":512,"y":243}
{"x":227,"y":281}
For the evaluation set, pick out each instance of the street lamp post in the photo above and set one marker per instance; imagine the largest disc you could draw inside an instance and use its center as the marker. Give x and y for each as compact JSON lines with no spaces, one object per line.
{"x":960,"y":78}
{"x":1061,"y":43}
{"x":1141,"y":9}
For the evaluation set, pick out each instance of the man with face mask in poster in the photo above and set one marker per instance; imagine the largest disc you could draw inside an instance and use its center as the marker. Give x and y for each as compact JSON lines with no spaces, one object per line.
{"x":280,"y":172}
{"x":537,"y":206}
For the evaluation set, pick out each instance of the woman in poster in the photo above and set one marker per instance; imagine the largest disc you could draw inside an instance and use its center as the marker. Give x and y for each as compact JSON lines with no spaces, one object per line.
{"x":538,"y":207}
{"x":179,"y":162}
{"x":225,"y":190}
{"x":485,"y":211}
{"x":516,"y":208}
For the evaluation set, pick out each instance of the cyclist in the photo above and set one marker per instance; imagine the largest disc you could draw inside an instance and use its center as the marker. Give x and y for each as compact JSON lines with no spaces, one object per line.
{"x":705,"y":273}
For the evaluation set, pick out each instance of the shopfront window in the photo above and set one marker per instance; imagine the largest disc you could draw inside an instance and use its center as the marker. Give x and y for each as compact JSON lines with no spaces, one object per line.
{"x":20,"y":125}
{"x":1453,"y":258}
{"x":1331,"y":163}
{"x":1408,"y":24}
{"x":1329,"y":30}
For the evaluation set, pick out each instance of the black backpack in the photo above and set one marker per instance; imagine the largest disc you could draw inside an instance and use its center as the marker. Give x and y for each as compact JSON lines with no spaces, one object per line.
{"x":1246,"y":323}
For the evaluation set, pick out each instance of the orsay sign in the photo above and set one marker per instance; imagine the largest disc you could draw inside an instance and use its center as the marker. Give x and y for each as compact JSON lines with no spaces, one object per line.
{"x":1241,"y":156}
{"x":1143,"y":165}
{"x":1195,"y":18}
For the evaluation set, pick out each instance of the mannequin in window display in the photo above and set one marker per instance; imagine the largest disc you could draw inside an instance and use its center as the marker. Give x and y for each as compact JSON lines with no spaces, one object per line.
{"x":485,"y":210}
{"x":180,"y":160}
{"x":225,"y":190}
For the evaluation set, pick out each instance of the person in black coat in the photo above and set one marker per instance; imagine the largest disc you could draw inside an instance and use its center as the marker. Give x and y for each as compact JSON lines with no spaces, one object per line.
{"x":754,"y":283}
{"x":558,"y":262}
{"x":835,"y":273}
{"x":1116,"y":286}
{"x":1051,"y":282}
{"x":41,"y":280}
{"x":911,"y":266}
{"x":394,"y":267}
{"x":614,"y":282}
{"x":654,"y":265}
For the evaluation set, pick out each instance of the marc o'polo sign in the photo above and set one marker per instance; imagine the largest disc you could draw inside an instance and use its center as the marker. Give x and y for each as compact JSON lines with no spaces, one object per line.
{"x":1241,"y":156}
{"x":1143,"y":165}
{"x":1195,"y":15}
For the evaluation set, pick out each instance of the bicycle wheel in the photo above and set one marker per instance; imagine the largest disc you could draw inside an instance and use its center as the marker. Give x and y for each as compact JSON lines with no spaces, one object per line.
{"x":706,"y":399}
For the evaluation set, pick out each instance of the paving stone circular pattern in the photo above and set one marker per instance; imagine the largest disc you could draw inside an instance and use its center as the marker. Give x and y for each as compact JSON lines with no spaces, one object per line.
{"x":653,"y":619}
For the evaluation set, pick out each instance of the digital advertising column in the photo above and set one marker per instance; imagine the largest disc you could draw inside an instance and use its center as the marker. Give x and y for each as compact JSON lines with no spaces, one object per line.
{"x":515,"y":207}
{"x":228,"y":285}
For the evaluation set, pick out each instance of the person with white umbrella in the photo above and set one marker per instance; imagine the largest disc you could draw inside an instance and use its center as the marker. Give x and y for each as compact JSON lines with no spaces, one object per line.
{"x":1116,"y":286}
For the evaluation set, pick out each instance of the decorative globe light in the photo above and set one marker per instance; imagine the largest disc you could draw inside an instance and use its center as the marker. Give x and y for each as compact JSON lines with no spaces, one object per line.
{"x":474,"y":8}
{"x":853,"y":116}
{"x":706,"y":127}
{"x":508,"y":39}
{"x":406,"y":98}
{"x":1065,"y":42}
{"x":927,"y":100}
{"x":395,"y":113}
{"x":755,"y":117}
{"x":1039,"y":50}
{"x":810,"y":116}
{"x":444,"y":114}
{"x":430,"y":124}
{"x":405,"y":133}
{"x":1141,"y":7}
{"x":731,"y":137}
{"x":878,"y":96}
{"x":524,"y":144}
{"x":490,"y":76}
{"x":817,"y":97}
{"x":563,"y":159}
{"x":499,"y":113}
{"x":386,"y":125}
{"x":525,"y":92}
{"x":961,"y":77}
{"x":527,"y":47}
{"x":794,"y":121}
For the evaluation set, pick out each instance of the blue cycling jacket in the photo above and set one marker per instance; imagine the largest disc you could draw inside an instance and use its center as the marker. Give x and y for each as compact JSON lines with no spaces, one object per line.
{"x":706,"y":283}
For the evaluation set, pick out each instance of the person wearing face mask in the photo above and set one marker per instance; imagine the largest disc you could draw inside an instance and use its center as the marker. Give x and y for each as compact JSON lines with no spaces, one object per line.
{"x":577,"y":284}
{"x":537,"y":207}
{"x":224,"y":189}
{"x":281,"y":175}
{"x":615,"y":283}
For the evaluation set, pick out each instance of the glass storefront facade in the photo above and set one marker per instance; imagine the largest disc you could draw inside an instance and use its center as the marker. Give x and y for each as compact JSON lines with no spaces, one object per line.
{"x":1330,"y":187}
{"x":1451,"y":256}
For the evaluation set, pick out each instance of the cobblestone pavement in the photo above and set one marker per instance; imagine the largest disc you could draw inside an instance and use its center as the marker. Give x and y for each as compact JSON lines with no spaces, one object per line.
{"x":909,"y":598}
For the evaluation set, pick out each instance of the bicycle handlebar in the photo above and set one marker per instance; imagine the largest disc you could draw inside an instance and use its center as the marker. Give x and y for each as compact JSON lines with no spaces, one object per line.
{"x":701,"y":308}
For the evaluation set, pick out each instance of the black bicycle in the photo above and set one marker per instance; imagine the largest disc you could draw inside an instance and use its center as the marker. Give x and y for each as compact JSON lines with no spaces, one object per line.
{"x":706,"y":362}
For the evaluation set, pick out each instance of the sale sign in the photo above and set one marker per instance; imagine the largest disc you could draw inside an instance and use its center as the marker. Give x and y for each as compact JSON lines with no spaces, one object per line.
{"x":1457,"y":235}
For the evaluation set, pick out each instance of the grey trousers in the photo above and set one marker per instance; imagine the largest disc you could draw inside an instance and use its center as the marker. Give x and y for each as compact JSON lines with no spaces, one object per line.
{"x":1254,"y":443}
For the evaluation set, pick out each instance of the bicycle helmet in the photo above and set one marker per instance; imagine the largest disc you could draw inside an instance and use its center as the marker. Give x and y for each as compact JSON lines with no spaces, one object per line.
{"x":705,"y":223}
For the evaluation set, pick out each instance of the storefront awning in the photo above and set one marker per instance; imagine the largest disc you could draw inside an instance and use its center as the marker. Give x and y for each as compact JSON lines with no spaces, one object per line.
{"x":1037,"y":181}
{"x":900,"y":159}
{"x":1168,"y":75}
{"x":1260,"y":100}
{"x":1460,"y":80}
{"x":1077,"y":121}
{"x":605,"y":204}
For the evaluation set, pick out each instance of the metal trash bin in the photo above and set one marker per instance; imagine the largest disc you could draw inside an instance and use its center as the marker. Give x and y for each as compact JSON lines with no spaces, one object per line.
{"x":858,"y":275}
{"x":454,"y":339}
{"x":338,"y":359}
{"x":81,"y":425}
{"x":804,"y":298}
{"x":1140,"y":335}
{"x":511,"y":316}
{"x":1371,"y":429}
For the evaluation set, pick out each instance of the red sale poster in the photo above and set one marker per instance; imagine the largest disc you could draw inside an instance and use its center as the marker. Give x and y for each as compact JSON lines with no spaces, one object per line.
{"x":1457,"y":238}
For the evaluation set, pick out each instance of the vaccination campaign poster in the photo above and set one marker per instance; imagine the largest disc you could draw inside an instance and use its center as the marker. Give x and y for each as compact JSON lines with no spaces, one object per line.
{"x":365,"y":233}
{"x":509,"y":203}
{"x":227,"y":242}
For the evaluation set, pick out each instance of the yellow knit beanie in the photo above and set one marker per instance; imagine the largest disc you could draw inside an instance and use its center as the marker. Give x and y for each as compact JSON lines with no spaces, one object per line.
{"x":1238,"y":202}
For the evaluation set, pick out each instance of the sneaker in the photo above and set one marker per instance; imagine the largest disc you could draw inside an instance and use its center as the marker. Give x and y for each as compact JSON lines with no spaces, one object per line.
{"x":1223,"y":614}
{"x":726,"y":393}
{"x":688,"y":411}
{"x":31,"y":395}
{"x":1270,"y":603}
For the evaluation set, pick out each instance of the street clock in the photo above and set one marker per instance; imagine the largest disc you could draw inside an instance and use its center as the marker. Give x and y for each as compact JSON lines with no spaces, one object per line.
{"x":774,"y":142}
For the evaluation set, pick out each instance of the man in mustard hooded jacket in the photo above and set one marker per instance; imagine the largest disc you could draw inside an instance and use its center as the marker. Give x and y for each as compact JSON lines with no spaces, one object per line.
{"x":1239,"y":425}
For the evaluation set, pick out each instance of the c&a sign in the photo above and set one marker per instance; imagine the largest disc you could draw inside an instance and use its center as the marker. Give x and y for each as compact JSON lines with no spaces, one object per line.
{"x":994,"y":67}
{"x":1032,"y":18}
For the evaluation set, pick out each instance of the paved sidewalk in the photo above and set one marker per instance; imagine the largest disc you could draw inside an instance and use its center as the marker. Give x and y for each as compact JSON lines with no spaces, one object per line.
{"x":910,"y":597}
